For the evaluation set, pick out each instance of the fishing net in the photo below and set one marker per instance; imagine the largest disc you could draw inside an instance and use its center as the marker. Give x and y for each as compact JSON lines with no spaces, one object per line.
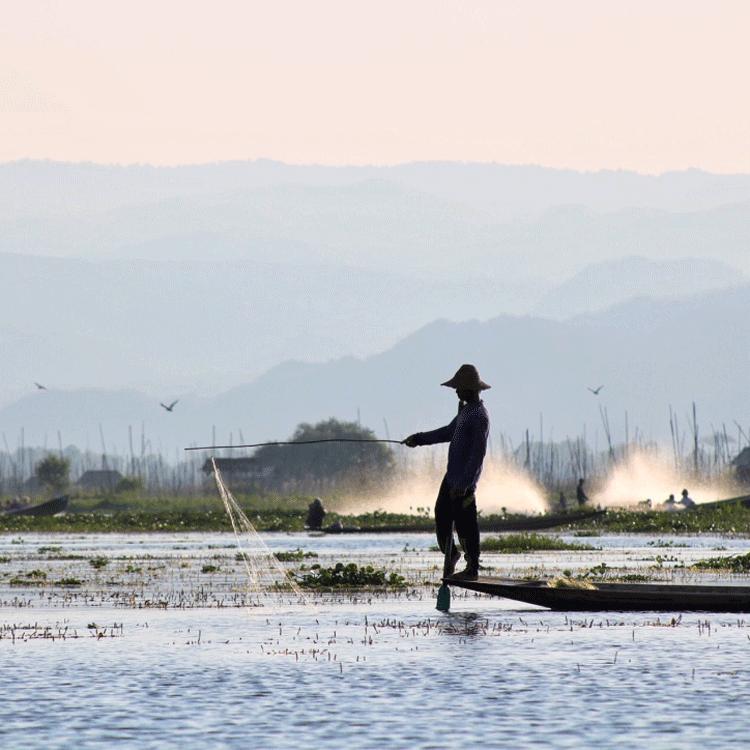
{"x":265,"y":574}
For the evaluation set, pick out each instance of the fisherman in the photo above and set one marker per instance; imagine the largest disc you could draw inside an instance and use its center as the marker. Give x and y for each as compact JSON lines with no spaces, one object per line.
{"x":315,"y":515}
{"x":670,"y":503}
{"x":581,"y":495}
{"x":686,"y":501}
{"x":562,"y":501}
{"x":456,"y":500}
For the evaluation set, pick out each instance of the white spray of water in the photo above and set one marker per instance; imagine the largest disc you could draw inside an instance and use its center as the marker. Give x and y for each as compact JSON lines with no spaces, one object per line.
{"x":504,"y":485}
{"x":501,"y":486}
{"x":646,"y":476}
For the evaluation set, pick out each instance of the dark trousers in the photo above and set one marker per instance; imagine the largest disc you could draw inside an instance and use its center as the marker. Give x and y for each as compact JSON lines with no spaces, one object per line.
{"x":463,"y":512}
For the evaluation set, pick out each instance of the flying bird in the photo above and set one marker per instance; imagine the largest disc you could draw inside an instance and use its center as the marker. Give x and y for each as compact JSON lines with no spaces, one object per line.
{"x":40,"y":386}
{"x":171,"y":406}
{"x":595,"y":391}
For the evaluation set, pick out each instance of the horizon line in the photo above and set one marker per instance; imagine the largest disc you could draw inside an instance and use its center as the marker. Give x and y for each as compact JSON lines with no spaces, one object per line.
{"x":359,"y":165}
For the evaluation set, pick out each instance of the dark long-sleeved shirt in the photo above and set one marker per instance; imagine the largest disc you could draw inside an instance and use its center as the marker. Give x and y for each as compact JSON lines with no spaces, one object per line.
{"x":467,"y":435}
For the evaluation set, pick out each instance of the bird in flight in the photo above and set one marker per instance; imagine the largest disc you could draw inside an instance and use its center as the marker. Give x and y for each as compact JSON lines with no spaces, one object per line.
{"x":595,"y":391}
{"x":171,"y":406}
{"x":40,"y":386}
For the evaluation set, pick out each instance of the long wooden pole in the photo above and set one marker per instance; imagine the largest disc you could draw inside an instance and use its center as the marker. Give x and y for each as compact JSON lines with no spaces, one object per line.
{"x":292,"y":442}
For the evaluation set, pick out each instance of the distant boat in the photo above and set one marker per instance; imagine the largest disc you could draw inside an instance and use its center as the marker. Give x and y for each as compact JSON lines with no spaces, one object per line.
{"x":615,"y":597}
{"x":511,"y":523}
{"x":743,"y":500}
{"x":48,"y":508}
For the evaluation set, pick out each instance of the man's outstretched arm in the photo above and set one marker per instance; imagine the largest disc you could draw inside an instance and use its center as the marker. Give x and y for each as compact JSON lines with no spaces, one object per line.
{"x":441,"y":435}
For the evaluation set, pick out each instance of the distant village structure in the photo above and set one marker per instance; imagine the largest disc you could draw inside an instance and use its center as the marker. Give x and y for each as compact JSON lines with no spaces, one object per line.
{"x":240,"y":473}
{"x":101,"y":480}
{"x":741,"y":464}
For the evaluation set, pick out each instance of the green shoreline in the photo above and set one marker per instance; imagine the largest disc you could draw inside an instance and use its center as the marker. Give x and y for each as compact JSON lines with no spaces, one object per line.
{"x":180,"y":514}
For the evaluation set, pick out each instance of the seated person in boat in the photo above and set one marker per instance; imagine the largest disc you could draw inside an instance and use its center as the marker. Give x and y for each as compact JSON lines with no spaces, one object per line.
{"x":669,"y":504}
{"x":456,"y":502}
{"x":686,"y":501}
{"x":581,"y":495}
{"x":315,"y":515}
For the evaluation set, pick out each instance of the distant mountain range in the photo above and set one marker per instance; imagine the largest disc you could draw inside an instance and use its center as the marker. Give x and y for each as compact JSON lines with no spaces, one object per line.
{"x":191,"y":326}
{"x":648,"y":354}
{"x":48,"y":188}
{"x":603,"y":285}
{"x":448,"y":221}
{"x":191,"y":280}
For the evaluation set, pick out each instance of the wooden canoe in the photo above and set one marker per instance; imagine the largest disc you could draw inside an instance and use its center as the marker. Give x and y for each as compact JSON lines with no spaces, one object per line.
{"x":742,"y":500}
{"x":615,"y":597}
{"x":512,"y":523}
{"x":49,"y":508}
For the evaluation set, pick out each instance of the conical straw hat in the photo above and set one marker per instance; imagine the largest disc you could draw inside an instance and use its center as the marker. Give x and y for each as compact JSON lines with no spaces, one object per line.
{"x":467,"y":379}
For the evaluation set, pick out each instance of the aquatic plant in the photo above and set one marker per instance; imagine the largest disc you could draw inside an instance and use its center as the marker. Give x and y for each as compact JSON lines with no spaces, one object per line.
{"x":98,"y":562}
{"x":726,"y":518}
{"x":294,"y":555}
{"x":350,"y":576}
{"x":519,"y":543}
{"x":29,"y":578}
{"x":731,"y":563}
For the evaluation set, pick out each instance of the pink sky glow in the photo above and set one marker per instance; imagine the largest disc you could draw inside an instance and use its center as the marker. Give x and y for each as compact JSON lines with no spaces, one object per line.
{"x":587,"y":84}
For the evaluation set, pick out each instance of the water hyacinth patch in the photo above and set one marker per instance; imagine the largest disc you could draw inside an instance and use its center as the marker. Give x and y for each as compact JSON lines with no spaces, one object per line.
{"x":350,"y":576}
{"x":520,"y":543}
{"x":294,"y":555}
{"x":732,"y":563}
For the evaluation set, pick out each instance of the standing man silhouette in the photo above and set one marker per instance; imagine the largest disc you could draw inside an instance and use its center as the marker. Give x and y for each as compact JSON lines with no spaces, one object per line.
{"x":456,"y":501}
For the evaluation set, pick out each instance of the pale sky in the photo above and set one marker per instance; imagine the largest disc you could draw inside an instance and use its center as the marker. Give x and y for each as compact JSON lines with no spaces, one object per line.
{"x":646,"y":85}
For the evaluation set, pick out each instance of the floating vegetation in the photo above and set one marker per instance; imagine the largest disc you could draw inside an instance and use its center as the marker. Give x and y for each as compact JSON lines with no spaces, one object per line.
{"x":519,"y":543}
{"x":98,"y":562}
{"x":210,"y":569}
{"x":4,"y":559}
{"x":70,"y":581}
{"x":732,"y":563}
{"x":598,"y":571}
{"x":665,"y":543}
{"x":350,"y":576}
{"x":294,"y":555}
{"x":34,"y":577}
{"x":733,"y":518}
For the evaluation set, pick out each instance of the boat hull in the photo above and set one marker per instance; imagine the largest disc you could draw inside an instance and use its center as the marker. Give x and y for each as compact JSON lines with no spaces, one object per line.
{"x":50,"y":508}
{"x":528,"y":523}
{"x":615,"y":597}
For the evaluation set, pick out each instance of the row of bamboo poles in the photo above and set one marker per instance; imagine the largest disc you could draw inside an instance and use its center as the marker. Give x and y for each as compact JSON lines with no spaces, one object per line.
{"x":553,"y":464}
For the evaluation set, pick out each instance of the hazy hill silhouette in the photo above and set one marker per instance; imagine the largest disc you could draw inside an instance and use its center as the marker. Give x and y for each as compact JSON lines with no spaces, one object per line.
{"x":192,"y":279}
{"x":602,"y":285}
{"x":649,"y":354}
{"x":40,"y":188}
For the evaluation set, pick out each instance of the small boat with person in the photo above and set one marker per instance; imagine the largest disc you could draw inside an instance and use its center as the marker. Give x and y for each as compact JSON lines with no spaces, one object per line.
{"x":49,"y":508}
{"x":495,"y":524}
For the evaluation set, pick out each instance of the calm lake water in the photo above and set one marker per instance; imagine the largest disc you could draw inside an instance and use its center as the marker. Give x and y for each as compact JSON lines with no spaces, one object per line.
{"x":371,"y":671}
